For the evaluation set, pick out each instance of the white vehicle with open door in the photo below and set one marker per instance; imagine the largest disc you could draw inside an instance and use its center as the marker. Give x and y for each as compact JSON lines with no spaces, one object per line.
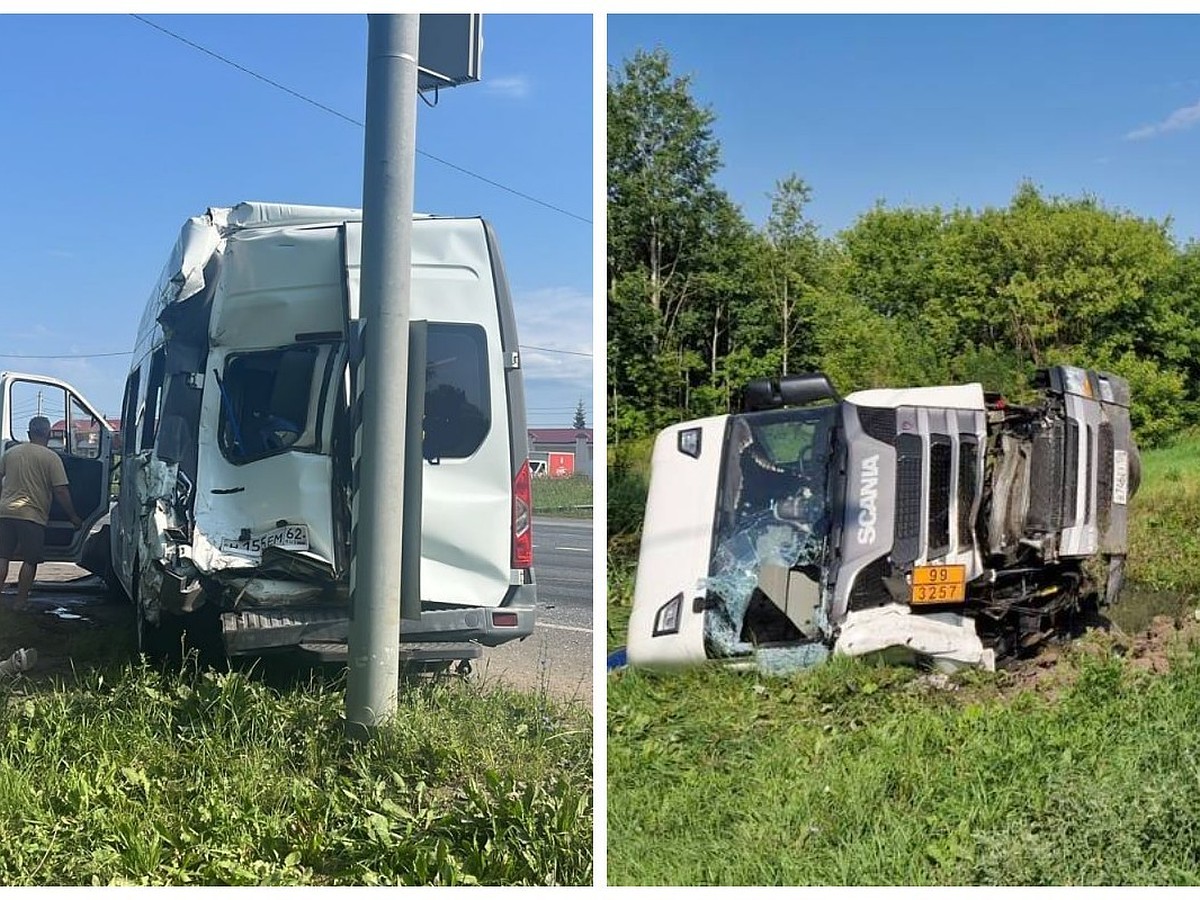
{"x":236,"y":461}
{"x":80,"y":435}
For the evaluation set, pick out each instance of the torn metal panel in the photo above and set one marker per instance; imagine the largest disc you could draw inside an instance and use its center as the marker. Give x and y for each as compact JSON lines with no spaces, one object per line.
{"x":257,"y":590}
{"x":947,"y":640}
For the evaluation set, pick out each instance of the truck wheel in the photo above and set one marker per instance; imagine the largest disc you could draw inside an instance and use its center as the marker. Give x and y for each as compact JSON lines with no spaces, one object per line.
{"x":1135,"y":471}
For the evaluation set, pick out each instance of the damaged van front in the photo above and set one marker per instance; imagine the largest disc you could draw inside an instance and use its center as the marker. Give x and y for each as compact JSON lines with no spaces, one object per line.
{"x":237,"y":449}
{"x":938,"y":524}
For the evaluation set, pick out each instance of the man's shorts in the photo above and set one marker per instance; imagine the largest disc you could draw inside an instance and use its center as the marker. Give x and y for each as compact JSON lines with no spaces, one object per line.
{"x":21,"y":539}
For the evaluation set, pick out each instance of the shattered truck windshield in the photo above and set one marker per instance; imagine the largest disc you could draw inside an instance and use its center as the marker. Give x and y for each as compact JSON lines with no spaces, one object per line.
{"x":763,"y":589}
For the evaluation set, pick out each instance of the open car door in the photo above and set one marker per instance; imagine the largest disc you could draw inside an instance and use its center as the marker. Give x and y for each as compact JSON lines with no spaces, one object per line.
{"x":79,"y":435}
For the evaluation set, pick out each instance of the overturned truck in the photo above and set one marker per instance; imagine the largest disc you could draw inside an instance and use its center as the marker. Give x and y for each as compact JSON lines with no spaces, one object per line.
{"x":941,"y":524}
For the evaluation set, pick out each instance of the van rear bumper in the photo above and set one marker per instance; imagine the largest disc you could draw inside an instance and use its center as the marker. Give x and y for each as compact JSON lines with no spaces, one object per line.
{"x":255,"y":631}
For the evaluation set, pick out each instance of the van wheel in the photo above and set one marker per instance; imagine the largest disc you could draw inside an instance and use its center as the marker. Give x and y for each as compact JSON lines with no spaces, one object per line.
{"x":199,"y":632}
{"x":112,"y":585}
{"x":154,"y":639}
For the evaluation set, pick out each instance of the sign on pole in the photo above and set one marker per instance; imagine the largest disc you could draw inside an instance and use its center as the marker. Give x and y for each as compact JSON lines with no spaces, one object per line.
{"x":451,"y":50}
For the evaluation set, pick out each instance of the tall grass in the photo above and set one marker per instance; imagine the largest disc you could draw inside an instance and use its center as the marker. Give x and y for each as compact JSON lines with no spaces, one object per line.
{"x":1164,"y":531}
{"x":207,"y":778}
{"x":854,"y":775}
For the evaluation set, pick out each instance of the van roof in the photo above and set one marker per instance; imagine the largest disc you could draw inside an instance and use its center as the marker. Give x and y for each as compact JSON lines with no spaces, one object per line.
{"x":259,"y":214}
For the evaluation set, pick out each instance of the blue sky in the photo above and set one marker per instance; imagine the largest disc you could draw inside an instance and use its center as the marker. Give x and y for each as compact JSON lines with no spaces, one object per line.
{"x":944,"y":110}
{"x":114,"y":133}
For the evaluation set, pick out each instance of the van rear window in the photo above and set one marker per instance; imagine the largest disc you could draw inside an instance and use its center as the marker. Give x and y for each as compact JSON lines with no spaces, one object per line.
{"x":265,"y":399}
{"x":458,"y":410}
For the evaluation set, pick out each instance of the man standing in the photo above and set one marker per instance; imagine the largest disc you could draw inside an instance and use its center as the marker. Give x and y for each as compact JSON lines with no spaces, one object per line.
{"x":31,"y":476}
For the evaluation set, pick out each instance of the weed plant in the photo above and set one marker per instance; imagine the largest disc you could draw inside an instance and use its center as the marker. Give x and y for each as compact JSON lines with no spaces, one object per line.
{"x":197,"y":777}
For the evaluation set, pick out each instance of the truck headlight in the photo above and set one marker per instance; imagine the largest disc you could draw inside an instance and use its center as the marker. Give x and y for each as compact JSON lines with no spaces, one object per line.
{"x":666,"y":621}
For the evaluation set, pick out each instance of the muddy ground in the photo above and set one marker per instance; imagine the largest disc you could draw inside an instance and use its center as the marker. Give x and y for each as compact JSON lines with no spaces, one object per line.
{"x":75,"y":626}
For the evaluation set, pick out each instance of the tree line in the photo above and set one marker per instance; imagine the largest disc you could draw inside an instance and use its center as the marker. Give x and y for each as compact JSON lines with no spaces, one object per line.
{"x":700,"y":300}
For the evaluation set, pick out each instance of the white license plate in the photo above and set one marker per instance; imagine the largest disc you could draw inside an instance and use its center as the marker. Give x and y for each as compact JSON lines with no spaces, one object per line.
{"x":1120,"y":495}
{"x":289,"y":537}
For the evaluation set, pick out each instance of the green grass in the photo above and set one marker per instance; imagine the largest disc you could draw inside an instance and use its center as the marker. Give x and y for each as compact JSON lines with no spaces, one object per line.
{"x":563,"y":497}
{"x":849,"y":774}
{"x":134,"y":777}
{"x":1164,"y":533}
{"x":854,"y":775}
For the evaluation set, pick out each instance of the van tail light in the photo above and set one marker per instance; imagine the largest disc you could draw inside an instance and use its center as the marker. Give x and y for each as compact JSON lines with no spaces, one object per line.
{"x":522,"y":519}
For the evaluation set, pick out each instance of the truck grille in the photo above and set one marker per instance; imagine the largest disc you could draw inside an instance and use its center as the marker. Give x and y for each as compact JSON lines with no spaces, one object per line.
{"x":878,"y":423}
{"x":1070,"y":474}
{"x":869,"y":590}
{"x":1045,"y":480}
{"x":939,"y":496}
{"x":1104,"y":477}
{"x":967,"y":485}
{"x":908,"y":499}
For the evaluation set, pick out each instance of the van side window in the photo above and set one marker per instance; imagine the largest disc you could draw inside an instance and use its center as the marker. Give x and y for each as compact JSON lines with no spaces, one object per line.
{"x":265,"y":399}
{"x":153,"y":399}
{"x":128,"y":411}
{"x":458,"y":411}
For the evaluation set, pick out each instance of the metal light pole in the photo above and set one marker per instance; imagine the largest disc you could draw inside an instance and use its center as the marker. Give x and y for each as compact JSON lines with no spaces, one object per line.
{"x":386,"y":286}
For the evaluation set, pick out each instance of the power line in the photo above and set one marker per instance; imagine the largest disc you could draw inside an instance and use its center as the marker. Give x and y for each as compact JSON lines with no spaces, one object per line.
{"x":63,"y":355}
{"x":552,"y":350}
{"x":353,"y":121}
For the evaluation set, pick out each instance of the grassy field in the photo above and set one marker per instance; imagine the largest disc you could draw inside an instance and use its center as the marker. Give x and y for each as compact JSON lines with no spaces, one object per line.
{"x":1079,"y":773}
{"x":129,"y":776}
{"x":563,"y":497}
{"x":1164,"y":533}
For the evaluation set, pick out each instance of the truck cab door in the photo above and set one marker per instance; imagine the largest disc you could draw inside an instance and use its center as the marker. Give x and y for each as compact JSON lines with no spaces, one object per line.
{"x":82,"y":438}
{"x":666,"y":627}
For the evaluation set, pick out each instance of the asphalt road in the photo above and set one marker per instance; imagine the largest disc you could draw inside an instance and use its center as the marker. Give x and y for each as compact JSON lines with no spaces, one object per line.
{"x":558,"y":655}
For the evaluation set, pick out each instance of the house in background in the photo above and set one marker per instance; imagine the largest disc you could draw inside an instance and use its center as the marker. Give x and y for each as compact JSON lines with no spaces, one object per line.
{"x":85,"y":436}
{"x":560,"y":452}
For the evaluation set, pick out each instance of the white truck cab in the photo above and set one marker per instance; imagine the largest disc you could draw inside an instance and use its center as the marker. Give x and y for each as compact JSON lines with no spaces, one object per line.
{"x":936,"y":523}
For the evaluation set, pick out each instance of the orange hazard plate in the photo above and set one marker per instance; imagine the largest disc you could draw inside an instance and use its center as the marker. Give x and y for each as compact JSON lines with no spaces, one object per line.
{"x":939,"y":584}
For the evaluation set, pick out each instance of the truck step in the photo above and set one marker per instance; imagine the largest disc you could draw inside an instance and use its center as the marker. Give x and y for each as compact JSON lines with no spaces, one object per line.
{"x":249,"y":631}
